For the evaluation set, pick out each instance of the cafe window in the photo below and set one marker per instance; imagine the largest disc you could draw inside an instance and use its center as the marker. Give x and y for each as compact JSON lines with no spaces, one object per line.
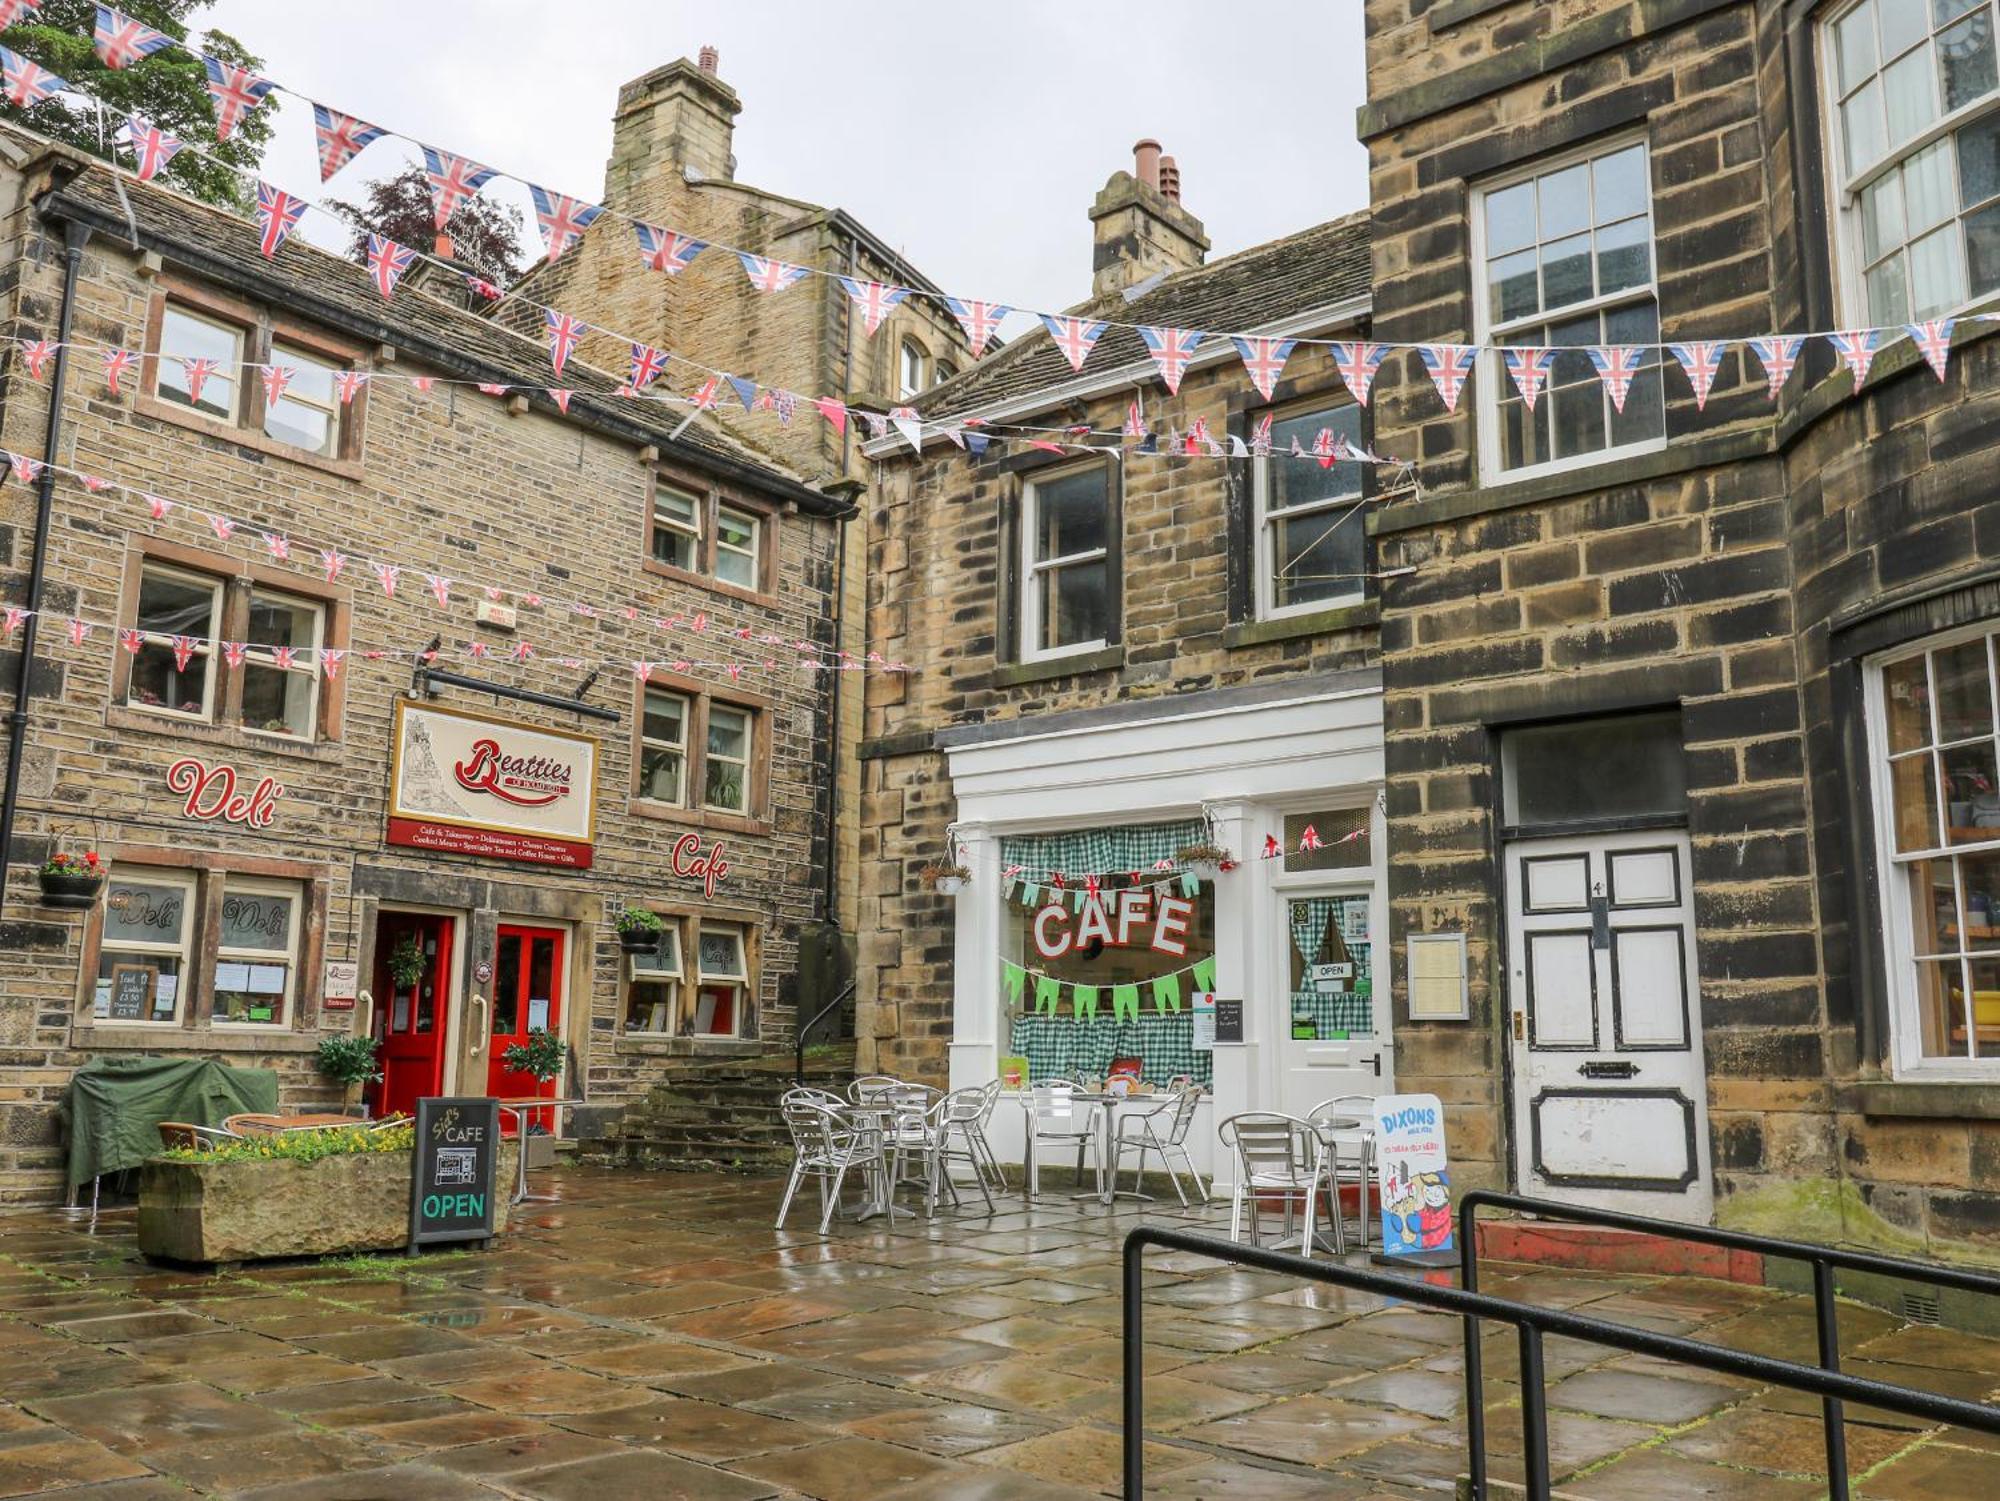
{"x":677,"y":529}
{"x":256,"y":957}
{"x":143,"y":946}
{"x":726,"y":783}
{"x":1066,"y":542}
{"x":737,"y":535}
{"x":179,"y":620}
{"x":281,"y":665}
{"x":230,"y":346}
{"x":722,"y":987}
{"x":1937,"y":790}
{"x":653,"y":991}
{"x":1312,"y":533}
{"x":186,"y":336}
{"x":663,"y":732}
{"x":307,"y":413}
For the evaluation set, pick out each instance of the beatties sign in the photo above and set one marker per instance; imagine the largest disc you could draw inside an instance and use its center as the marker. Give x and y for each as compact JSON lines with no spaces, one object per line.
{"x":525,"y":781}
{"x":212,"y":796}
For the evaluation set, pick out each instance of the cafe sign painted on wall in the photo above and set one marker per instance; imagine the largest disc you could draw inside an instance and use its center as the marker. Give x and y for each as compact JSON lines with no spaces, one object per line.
{"x":470,"y":784}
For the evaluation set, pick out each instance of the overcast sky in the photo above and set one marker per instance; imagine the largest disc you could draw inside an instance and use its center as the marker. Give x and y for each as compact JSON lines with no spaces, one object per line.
{"x":972,"y":139}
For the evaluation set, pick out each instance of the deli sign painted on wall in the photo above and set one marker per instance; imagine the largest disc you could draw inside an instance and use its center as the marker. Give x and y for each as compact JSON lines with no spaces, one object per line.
{"x":470,"y":784}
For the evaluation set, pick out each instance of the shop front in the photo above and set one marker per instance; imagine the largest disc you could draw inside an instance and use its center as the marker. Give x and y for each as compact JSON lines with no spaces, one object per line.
{"x":1095,"y":928}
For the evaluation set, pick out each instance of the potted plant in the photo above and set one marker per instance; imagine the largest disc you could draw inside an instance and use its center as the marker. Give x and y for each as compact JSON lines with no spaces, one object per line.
{"x":1204,"y":861}
{"x":73,"y":881}
{"x":350,"y":1062}
{"x":542,"y":1057}
{"x":639,"y":931}
{"x":406,"y":962}
{"x":946,"y":880}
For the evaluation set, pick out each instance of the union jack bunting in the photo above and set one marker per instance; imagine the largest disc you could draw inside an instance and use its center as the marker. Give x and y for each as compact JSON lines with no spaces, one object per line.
{"x":26,"y":470}
{"x":648,"y":365}
{"x":333,"y":560}
{"x":1264,"y":357}
{"x":341,"y":138}
{"x":423,"y":382}
{"x":387,"y":263}
{"x":1779,"y":355}
{"x":1449,"y":366}
{"x":284,"y":656}
{"x":279,"y":547}
{"x":1198,"y":440}
{"x":483,"y":288}
{"x":440,"y":587}
{"x":1135,"y":421}
{"x":906,"y":422}
{"x":330,"y":658}
{"x":1328,"y":446}
{"x":476,"y":648}
{"x":152,"y":147}
{"x":235,"y":92}
{"x":222,"y":526}
{"x":564,"y":331}
{"x":746,"y":390}
{"x":767,"y":275}
{"x":710,"y":392}
{"x":35,"y":355}
{"x":93,"y":484}
{"x":667,"y":250}
{"x":27,"y":83}
{"x":196,"y":372}
{"x":560,"y":396}
{"x":347,"y":385}
{"x":14,"y":615}
{"x":157,"y":505}
{"x":874,"y":298}
{"x":1617,"y":366}
{"x":523,"y":651}
{"x":386,"y":575}
{"x":492,"y":388}
{"x":1357,"y":364}
{"x":785,"y":403}
{"x":563,"y":219}
{"x":1933,"y":340}
{"x":1310,"y":839}
{"x":132,"y":640}
{"x":1702,"y":361}
{"x":1075,"y":337}
{"x":276,"y":378}
{"x":79,"y":632}
{"x":834,"y":413}
{"x":453,"y":179}
{"x":1856,"y":348}
{"x":12,"y":10}
{"x":278,"y":212}
{"x":980,"y":320}
{"x":121,"y":41}
{"x":1171,"y":349}
{"x":1260,"y":436}
{"x":643,"y":671}
{"x":1530,"y":369}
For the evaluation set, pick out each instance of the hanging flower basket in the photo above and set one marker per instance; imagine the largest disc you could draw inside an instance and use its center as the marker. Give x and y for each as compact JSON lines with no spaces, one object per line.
{"x":946,"y":880}
{"x":1204,"y":861}
{"x":639,"y":931}
{"x":72,"y":881}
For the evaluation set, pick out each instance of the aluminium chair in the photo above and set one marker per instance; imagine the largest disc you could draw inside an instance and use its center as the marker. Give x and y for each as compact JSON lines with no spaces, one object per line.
{"x":1055,"y":1119}
{"x":1277,"y":1156}
{"x":826,"y":1146}
{"x":1352,"y":1146}
{"x":1162,"y":1132}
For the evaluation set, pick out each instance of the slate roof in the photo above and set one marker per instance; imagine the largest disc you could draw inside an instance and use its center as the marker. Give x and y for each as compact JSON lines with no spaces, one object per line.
{"x":1253,"y":289}
{"x":339,"y":294}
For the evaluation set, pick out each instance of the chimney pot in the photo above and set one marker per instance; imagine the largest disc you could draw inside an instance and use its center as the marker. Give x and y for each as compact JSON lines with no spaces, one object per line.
{"x":442,"y":247}
{"x":1146,"y":162}
{"x":708,"y":59}
{"x":1169,"y":182}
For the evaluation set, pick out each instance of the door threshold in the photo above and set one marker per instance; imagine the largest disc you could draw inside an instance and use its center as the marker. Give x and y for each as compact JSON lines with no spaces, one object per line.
{"x":1601,"y":1248}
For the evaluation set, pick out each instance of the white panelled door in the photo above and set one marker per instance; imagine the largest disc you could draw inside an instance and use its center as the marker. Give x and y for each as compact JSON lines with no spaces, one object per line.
{"x":1610,"y":1093}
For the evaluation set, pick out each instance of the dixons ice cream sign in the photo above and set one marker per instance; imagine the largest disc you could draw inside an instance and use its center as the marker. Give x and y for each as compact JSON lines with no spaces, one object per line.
{"x":469,"y":784}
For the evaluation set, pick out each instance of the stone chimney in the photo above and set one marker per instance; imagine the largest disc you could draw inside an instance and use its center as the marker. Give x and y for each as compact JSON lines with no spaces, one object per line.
{"x":1139,"y":228}
{"x":681,"y":119}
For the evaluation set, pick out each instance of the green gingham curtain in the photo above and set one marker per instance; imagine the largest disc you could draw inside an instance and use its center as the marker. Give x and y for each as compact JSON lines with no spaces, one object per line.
{"x":1353,"y":1011}
{"x":1096,"y":851}
{"x":1056,"y":1046}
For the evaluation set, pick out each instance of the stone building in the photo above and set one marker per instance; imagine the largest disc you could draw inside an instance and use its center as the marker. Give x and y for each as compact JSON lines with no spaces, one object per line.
{"x":1689,"y":710}
{"x":431,"y":835}
{"x":673,"y":163}
{"x":1119,"y":656}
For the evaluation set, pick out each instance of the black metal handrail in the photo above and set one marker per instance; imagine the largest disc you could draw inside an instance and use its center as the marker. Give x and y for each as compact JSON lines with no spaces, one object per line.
{"x":1532,"y":1324}
{"x":1824,"y":1260}
{"x":799,"y":1059}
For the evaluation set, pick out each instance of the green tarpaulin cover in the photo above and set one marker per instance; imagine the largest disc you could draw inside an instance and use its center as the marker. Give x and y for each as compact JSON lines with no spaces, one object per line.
{"x":115,"y":1106}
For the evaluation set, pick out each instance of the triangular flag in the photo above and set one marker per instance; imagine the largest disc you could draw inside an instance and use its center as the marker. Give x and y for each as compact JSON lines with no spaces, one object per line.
{"x":1172,"y":349}
{"x":152,"y":147}
{"x":1702,"y":361}
{"x":1616,"y":367}
{"x":1083,"y":1002}
{"x":560,"y":396}
{"x":340,"y":138}
{"x":1075,"y":337}
{"x":1779,"y":355}
{"x":1449,"y":366}
{"x":1204,"y":973}
{"x":768,"y":275}
{"x":1167,"y":993}
{"x":121,"y":41}
{"x":1264,"y":357}
{"x":453,"y":180}
{"x":1013,"y":977}
{"x":648,"y":365}
{"x":27,"y":83}
{"x":666,"y":250}
{"x":833,"y":412}
{"x":234,"y":92}
{"x":563,"y":219}
{"x":276,"y":378}
{"x":1357,"y":364}
{"x":387,"y":262}
{"x":1125,"y":1002}
{"x":564,"y":331}
{"x":1048,"y":991}
{"x":347,"y":384}
{"x":330,"y":658}
{"x":1856,"y":348}
{"x":35,"y":354}
{"x":980,"y":320}
{"x":1530,"y":369}
{"x":906,"y":422}
{"x":875,"y":300}
{"x":746,"y":390}
{"x":1933,"y":340}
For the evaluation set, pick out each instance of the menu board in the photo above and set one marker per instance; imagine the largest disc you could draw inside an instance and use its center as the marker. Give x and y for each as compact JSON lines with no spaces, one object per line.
{"x":452,"y":1184}
{"x":131,"y":991}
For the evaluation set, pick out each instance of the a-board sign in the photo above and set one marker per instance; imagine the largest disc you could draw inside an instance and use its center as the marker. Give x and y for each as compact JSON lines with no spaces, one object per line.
{"x":1229,"y":1018}
{"x":1412,"y":1173}
{"x":452,"y":1185}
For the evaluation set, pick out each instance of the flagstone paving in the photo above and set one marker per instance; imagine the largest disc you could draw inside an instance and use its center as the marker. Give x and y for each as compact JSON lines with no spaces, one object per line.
{"x":650,"y":1335}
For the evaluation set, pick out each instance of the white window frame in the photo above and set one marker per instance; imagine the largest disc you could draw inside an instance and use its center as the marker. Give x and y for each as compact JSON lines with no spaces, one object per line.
{"x":689,"y":529}
{"x":305,"y":664}
{"x":739,"y":982}
{"x":680,"y":797}
{"x":754,"y":552}
{"x":745,"y":762}
{"x":912,"y":361}
{"x":145,"y":875}
{"x":1264,"y":549}
{"x":296,"y":892}
{"x":230,"y":373}
{"x":1492,"y":376}
{"x":1907,"y":1060}
{"x":1032,"y":568}
{"x":674,"y":977}
{"x":1844,"y":189}
{"x":204,"y":646}
{"x":297,"y":358}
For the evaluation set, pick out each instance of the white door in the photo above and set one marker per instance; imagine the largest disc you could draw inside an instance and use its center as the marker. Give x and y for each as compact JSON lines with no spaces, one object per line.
{"x":1332,"y":1030}
{"x":1610,"y":1096}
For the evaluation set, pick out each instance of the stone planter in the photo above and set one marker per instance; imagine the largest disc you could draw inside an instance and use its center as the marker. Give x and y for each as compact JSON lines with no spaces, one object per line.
{"x":207,"y":1212}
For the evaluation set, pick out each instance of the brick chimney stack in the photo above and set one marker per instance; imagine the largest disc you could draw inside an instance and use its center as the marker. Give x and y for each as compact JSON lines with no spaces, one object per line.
{"x":1138,"y":226}
{"x":677,"y":119}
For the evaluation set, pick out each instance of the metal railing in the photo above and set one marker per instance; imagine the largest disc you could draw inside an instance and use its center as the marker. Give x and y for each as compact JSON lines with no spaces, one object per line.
{"x":1824,"y":1260}
{"x":1532,"y":1325}
{"x":840,"y":998}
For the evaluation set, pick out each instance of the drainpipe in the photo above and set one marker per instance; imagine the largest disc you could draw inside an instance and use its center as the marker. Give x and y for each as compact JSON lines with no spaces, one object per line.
{"x":74,"y":237}
{"x":832,"y":905}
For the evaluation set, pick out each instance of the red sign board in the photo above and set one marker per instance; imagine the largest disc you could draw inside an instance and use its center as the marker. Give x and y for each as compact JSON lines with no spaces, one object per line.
{"x":469,"y":784}
{"x":495,"y":844}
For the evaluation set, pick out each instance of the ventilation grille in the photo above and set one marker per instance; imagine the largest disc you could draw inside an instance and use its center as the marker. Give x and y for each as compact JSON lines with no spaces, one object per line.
{"x":1920,"y":1308}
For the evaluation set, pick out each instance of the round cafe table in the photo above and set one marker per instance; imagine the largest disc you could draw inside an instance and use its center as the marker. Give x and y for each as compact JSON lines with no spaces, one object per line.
{"x":521,"y":1110}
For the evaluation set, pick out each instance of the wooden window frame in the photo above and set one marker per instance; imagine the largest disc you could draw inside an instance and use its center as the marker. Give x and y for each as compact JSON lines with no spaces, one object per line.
{"x":640,"y":740}
{"x":747,"y":1009}
{"x":289,"y":996}
{"x":712,"y":498}
{"x":261,"y":329}
{"x":756,"y":820}
{"x":1024,"y":618}
{"x":187,"y":951}
{"x":1262,"y":548}
{"x":675,"y":923}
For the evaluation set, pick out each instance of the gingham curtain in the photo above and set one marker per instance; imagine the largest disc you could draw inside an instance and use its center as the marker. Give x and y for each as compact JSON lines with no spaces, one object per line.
{"x":1056,"y":1046}
{"x":1097,"y":851}
{"x":1353,"y":1011}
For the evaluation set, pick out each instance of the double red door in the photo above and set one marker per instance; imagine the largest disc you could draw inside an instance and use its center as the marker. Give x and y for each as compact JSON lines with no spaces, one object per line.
{"x":410,"y":1019}
{"x":527,"y":997}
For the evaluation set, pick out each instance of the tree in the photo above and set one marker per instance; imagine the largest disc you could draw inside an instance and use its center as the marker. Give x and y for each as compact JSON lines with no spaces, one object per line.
{"x":170,"y":89}
{"x":485,"y":236}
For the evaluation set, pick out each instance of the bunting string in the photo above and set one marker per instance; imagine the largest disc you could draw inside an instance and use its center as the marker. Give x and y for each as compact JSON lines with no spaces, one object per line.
{"x":1046,"y":994}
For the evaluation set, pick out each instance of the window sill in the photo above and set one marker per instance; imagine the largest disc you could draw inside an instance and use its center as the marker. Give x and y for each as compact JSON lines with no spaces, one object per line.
{"x":711,"y":583}
{"x":1048,"y":669}
{"x":647,"y":1045}
{"x":1954,"y":1099}
{"x":1363,"y":613}
{"x":160,"y":1036}
{"x":243,"y":437}
{"x":698,"y":818}
{"x":124,"y":717}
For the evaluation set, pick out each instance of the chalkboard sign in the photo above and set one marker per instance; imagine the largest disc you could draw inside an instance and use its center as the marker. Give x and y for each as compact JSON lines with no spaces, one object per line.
{"x":451,"y":1189}
{"x":1229,"y":1018}
{"x":131,"y":991}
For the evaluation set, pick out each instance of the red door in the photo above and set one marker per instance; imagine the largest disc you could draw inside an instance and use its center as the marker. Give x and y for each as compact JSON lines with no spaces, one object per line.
{"x":527,"y":997}
{"x":410,"y":1017}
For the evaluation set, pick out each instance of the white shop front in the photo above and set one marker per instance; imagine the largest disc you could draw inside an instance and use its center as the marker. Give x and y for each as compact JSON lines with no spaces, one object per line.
{"x":1286,"y":779}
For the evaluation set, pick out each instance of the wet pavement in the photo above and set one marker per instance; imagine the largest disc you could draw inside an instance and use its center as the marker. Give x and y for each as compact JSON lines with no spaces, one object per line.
{"x":650,"y":1336}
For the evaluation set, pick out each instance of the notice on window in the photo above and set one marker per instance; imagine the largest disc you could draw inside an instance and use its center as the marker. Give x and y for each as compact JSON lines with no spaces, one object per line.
{"x":1204,"y":1021}
{"x":266,"y":979}
{"x":232,"y":977}
{"x":538,"y":1013}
